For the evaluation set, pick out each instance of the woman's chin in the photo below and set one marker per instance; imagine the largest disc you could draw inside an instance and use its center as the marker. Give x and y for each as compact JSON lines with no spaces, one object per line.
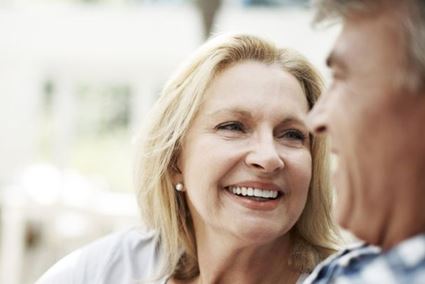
{"x":258,"y":235}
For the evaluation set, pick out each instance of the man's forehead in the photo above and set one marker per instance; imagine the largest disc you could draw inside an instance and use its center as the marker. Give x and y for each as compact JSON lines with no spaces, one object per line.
{"x":337,"y":56}
{"x":360,"y":34}
{"x":357,"y":34}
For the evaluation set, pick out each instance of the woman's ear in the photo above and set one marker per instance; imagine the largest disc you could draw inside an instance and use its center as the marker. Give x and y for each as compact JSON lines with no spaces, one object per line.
{"x":176,"y":173}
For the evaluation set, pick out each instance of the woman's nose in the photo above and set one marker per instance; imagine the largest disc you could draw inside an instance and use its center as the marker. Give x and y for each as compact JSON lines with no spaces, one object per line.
{"x":265,"y":157}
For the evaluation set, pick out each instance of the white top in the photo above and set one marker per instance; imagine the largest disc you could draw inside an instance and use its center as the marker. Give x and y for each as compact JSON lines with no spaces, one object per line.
{"x":126,"y":257}
{"x":130,"y":256}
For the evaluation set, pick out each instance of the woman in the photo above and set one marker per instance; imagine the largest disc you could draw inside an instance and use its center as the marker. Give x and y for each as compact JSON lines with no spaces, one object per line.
{"x":230,"y":183}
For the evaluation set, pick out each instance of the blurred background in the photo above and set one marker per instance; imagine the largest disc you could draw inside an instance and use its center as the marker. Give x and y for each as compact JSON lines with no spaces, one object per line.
{"x":76,"y":79}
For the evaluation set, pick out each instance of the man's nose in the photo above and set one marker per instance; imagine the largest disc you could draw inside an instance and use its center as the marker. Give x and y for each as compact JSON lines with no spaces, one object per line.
{"x":264,"y":156}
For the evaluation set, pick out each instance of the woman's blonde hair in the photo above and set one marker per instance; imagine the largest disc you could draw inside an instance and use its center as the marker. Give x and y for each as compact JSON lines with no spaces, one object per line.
{"x":166,"y":211}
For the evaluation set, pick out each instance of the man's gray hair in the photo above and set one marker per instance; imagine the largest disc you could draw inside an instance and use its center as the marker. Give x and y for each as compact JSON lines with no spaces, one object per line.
{"x":413,"y":24}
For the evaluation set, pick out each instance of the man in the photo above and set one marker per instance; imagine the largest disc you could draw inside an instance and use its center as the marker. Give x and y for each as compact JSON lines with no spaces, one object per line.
{"x":374,"y":114}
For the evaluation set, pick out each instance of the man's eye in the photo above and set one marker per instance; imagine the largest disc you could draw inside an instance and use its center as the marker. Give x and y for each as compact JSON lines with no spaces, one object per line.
{"x":231,"y":126}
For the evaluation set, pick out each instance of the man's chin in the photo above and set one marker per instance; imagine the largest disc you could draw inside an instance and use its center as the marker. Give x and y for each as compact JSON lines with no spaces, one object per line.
{"x":344,"y":210}
{"x":357,"y":228}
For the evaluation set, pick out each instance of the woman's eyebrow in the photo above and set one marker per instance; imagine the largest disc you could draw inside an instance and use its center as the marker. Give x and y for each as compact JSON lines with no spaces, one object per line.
{"x":294,"y":120}
{"x":290,"y":119}
{"x":231,"y":111}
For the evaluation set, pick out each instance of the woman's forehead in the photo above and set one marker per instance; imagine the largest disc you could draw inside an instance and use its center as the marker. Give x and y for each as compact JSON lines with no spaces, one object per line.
{"x":249,"y":86}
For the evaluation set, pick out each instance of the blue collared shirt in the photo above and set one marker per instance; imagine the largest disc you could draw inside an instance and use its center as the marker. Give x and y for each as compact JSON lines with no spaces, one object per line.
{"x":362,"y":264}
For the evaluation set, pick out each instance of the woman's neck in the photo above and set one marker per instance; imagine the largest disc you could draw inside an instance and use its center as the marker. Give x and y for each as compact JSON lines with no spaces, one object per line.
{"x":230,"y":260}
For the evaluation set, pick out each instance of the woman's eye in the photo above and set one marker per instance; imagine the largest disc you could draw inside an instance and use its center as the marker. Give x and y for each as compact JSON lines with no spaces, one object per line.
{"x":231,"y":126}
{"x":294,"y":135}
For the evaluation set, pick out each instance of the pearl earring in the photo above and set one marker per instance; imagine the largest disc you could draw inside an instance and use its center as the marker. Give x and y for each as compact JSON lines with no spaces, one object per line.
{"x":179,"y":186}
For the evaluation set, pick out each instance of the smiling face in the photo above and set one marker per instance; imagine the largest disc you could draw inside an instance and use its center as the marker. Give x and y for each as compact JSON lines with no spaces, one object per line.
{"x":245,"y":162}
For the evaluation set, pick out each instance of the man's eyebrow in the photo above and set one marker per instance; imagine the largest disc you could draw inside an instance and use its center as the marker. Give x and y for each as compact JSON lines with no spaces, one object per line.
{"x":330,"y":60}
{"x":335,"y":60}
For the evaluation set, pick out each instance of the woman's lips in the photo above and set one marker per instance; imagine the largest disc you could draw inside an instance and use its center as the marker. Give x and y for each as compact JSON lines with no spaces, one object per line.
{"x":258,"y":184}
{"x":255,"y":198}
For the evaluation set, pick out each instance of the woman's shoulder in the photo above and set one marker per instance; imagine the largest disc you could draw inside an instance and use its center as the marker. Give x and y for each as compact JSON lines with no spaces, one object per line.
{"x":130,"y":254}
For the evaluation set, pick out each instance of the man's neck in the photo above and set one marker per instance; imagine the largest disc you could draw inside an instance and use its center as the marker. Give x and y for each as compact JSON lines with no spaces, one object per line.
{"x":408,"y":219}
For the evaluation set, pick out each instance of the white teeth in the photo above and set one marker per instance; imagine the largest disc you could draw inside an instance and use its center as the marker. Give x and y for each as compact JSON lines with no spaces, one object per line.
{"x":250,"y":191}
{"x":244,"y":191}
{"x":257,"y":192}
